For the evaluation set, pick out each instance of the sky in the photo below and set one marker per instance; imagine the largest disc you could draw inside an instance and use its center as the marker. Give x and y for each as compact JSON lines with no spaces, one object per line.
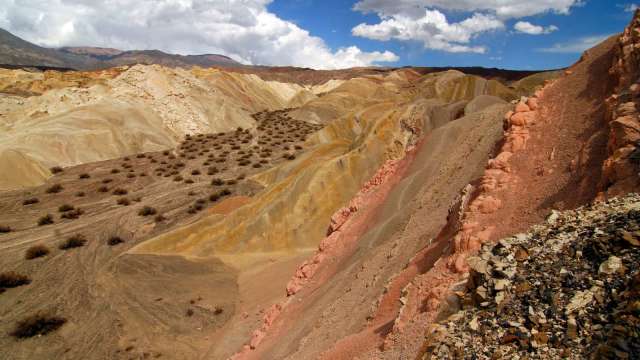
{"x":329,"y":34}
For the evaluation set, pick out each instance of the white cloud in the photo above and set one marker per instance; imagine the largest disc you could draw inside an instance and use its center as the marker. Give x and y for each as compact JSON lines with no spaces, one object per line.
{"x":242,"y":29}
{"x":576,"y":46}
{"x":424,"y":20}
{"x":531,"y":29}
{"x":501,"y":8}
{"x":432,"y":29}
{"x":630,"y":7}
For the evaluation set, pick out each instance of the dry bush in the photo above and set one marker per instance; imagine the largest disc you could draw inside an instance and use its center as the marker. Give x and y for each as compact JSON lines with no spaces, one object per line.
{"x":84,"y":176}
{"x":159,"y":218}
{"x":115,"y":171}
{"x":141,"y":156}
{"x":37,"y":325}
{"x":131,"y":176}
{"x":124,"y":202}
{"x":80,"y":194}
{"x":189,"y":181}
{"x":178,"y":178}
{"x":65,"y":208}
{"x":217,"y":182}
{"x":114,"y":240}
{"x":231,"y":182}
{"x":147,"y":211}
{"x":54,"y":189}
{"x":56,"y":170}
{"x":225,"y":192}
{"x":5,"y":229}
{"x":257,"y":165}
{"x":12,"y":279}
{"x":195,"y":172}
{"x":72,"y":215}
{"x":30,"y":201}
{"x":36,"y":251}
{"x":73,"y":242}
{"x":45,"y":220}
{"x":214,"y":197}
{"x":106,"y":181}
{"x":120,"y":191}
{"x":103,"y":189}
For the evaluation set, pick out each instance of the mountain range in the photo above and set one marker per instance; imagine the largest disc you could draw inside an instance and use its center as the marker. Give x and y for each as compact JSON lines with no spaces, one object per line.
{"x":16,"y":52}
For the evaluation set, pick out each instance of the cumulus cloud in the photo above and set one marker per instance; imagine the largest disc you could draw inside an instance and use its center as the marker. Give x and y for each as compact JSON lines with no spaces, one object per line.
{"x":526,"y":27}
{"x":432,"y":29}
{"x":501,"y":8}
{"x":576,"y":46}
{"x":425,"y":20}
{"x":242,"y":29}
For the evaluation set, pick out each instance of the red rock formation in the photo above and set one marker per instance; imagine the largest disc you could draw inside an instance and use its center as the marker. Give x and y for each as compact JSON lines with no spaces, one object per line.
{"x":620,"y":170}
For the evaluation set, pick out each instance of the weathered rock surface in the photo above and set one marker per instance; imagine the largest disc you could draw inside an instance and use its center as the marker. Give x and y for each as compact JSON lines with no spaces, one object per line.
{"x":570,"y":289}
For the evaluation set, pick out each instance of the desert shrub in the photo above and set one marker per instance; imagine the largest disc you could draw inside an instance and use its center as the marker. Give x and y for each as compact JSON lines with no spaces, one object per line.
{"x":244,"y":163}
{"x":120,"y":191}
{"x":298,"y":147}
{"x":241,"y":177}
{"x":124,"y":202}
{"x":141,"y":156}
{"x":72,"y":215}
{"x":103,"y":189}
{"x":84,"y":176}
{"x":165,"y":153}
{"x":217,"y":182}
{"x":218,"y":310}
{"x":115,"y":171}
{"x":5,"y":229}
{"x":12,"y":279}
{"x":131,"y":175}
{"x":45,"y":220}
{"x":54,"y":189}
{"x":189,"y":181}
{"x":147,"y":211}
{"x":137,"y":199}
{"x":106,"y":181}
{"x":114,"y":240}
{"x":36,"y":251}
{"x":212,"y":170}
{"x":56,"y":170}
{"x":73,"y":242}
{"x":65,"y":208}
{"x":257,"y":165}
{"x":80,"y":194}
{"x":201,"y":201}
{"x":192,"y":193}
{"x":189,"y":312}
{"x":214,"y":197}
{"x":37,"y":325}
{"x":231,"y":182}
{"x":225,"y":192}
{"x":159,"y":218}
{"x":264,"y":161}
{"x":30,"y":201}
{"x":195,"y":172}
{"x":177,"y":178}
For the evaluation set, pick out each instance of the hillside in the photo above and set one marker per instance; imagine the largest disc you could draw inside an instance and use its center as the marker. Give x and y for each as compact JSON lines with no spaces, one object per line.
{"x":158,"y":211}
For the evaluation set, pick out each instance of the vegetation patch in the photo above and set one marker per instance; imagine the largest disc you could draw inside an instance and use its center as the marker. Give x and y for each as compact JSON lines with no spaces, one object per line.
{"x":73,"y":242}
{"x":37,"y":325}
{"x":12,"y":279}
{"x":36,"y":251}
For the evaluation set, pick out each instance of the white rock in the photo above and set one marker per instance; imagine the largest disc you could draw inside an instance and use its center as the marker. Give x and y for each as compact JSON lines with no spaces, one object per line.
{"x":611,"y":265}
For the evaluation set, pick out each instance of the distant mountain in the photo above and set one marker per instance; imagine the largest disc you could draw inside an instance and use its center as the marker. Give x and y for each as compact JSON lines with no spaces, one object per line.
{"x":16,"y":52}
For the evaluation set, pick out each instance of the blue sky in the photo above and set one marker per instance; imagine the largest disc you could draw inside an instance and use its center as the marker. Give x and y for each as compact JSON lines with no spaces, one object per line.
{"x":330,"y":34}
{"x":333,"y":20}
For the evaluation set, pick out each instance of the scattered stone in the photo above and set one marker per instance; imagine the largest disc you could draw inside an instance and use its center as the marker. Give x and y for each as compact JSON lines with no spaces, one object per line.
{"x":570,"y":288}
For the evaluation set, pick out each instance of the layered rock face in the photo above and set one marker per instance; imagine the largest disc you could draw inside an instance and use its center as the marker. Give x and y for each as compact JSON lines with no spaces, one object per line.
{"x":620,"y":173}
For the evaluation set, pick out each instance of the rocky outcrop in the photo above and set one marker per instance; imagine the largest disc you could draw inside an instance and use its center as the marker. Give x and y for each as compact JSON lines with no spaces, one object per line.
{"x":620,"y":171}
{"x":568,"y":289}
